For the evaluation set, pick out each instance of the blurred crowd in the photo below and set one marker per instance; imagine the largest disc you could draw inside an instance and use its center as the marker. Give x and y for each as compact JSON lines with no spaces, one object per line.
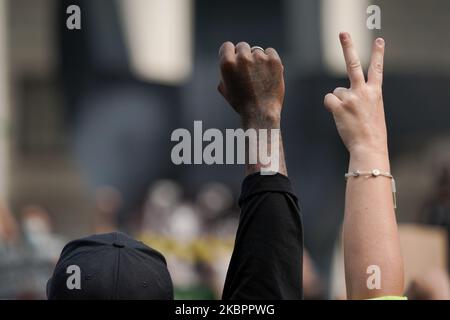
{"x":29,"y":249}
{"x":196,"y":236}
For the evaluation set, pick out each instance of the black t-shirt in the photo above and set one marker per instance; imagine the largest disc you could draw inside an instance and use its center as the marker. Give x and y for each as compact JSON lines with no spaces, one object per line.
{"x":268,"y":253}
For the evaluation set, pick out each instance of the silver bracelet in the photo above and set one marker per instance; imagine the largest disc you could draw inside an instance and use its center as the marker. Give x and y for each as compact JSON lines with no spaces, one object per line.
{"x":375,"y":173}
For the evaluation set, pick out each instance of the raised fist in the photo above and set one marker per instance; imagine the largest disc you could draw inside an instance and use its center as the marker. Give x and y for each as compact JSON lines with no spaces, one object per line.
{"x":252,"y":81}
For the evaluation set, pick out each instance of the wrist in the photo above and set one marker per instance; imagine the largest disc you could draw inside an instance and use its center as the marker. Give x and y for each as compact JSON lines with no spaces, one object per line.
{"x":261,"y":120}
{"x":263,"y":114}
{"x":369,"y":159}
{"x":366,"y":151}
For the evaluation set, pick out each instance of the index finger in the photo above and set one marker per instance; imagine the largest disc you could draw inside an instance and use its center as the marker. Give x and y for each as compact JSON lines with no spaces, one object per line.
{"x":227,"y":51}
{"x":354,"y":69}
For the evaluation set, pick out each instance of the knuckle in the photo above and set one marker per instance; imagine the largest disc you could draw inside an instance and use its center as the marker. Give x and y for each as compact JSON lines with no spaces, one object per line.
{"x":336,"y":91}
{"x":271,"y":51}
{"x":375,"y":93}
{"x":350,"y":99}
{"x":260,"y":56}
{"x":347,"y":44}
{"x":242,"y":44}
{"x":225,"y":44}
{"x":274,"y":59}
{"x":354,"y":65}
{"x":224,"y":47}
{"x":378,"y":67}
{"x":244,"y":58}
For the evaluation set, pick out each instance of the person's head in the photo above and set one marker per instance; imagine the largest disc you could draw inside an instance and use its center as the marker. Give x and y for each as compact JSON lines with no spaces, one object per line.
{"x":110,"y":266}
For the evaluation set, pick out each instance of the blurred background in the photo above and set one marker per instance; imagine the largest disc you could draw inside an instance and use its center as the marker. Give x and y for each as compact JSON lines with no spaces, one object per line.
{"x":86,"y":117}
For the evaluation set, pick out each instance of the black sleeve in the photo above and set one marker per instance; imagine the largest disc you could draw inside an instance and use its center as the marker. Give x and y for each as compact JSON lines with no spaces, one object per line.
{"x":268,"y":253}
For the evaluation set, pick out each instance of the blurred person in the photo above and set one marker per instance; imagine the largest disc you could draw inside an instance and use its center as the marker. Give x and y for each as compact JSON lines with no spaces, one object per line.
{"x":9,"y":231}
{"x":161,"y":201}
{"x":28,"y":251}
{"x":109,"y":266}
{"x":370,"y":228}
{"x":10,"y":255}
{"x":38,"y":232}
{"x":184,"y":227}
{"x":221,"y":237}
{"x":108,"y":202}
{"x":313,"y":287}
{"x":172,"y":225}
{"x":213,"y":200}
{"x":436,"y":210}
{"x":431,"y":285}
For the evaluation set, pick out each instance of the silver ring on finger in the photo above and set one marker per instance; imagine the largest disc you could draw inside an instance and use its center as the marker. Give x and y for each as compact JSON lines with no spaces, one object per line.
{"x":253,"y":49}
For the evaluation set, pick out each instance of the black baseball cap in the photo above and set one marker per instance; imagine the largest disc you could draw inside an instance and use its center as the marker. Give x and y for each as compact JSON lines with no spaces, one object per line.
{"x":110,"y":266}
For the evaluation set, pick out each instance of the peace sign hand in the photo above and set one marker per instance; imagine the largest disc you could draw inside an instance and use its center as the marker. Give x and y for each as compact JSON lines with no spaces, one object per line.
{"x":359,"y":111}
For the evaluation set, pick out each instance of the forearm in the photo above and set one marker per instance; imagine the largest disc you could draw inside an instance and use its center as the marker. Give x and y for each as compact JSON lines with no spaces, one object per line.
{"x":277,"y":160}
{"x":371,"y":243}
{"x":370,"y":229}
{"x":267,"y":257}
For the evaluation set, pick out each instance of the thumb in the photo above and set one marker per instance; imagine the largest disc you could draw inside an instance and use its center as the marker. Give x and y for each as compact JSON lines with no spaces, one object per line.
{"x":332,"y":103}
